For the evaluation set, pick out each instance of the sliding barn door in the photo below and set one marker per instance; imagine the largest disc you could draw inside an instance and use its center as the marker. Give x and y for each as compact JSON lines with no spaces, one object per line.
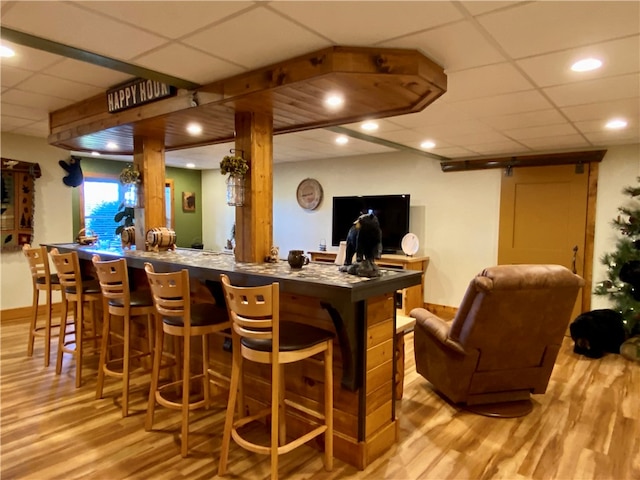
{"x":543,"y":216}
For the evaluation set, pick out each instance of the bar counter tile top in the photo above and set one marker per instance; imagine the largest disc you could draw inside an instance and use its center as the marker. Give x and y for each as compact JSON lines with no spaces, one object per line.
{"x":324,"y":279}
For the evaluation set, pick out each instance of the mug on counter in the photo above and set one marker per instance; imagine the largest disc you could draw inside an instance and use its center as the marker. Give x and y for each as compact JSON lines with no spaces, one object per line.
{"x":297,"y":258}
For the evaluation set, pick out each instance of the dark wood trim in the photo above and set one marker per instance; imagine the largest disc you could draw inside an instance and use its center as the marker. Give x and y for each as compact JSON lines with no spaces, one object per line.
{"x":542,"y":160}
{"x":590,"y":233}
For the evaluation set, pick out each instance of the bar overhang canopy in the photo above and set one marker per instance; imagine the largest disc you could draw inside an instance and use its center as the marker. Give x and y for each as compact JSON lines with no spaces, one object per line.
{"x":374,"y":82}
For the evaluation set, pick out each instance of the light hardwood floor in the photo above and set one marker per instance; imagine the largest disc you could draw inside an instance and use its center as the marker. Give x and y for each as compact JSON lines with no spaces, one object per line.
{"x":587,"y":426}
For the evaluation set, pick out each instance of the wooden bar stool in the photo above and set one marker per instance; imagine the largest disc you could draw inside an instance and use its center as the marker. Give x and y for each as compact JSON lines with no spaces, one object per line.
{"x":42,"y":281}
{"x":119,"y":301}
{"x":78,"y":293}
{"x":176,"y":316}
{"x":259,"y":336}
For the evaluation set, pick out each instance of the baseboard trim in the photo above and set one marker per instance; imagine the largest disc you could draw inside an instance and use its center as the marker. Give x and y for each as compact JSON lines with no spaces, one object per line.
{"x":26,"y":312}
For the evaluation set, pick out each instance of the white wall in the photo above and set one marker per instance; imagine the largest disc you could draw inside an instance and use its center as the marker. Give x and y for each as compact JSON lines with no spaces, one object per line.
{"x":455,"y":215}
{"x":52,"y":215}
{"x":619,"y":169}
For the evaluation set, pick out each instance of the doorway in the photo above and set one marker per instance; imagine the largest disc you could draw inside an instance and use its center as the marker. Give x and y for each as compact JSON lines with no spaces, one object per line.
{"x":547,"y":215}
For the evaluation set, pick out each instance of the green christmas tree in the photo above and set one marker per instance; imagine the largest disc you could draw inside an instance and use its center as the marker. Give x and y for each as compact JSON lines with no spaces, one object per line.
{"x":624,"y":297}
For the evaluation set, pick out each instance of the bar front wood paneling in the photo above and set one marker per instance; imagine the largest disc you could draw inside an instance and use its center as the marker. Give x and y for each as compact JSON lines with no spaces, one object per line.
{"x":360,"y":311}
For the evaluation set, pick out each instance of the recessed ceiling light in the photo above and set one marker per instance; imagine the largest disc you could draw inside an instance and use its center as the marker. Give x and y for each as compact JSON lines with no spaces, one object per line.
{"x":369,"y":126}
{"x":190,"y":165}
{"x":586,"y":65}
{"x":112,"y":145}
{"x":427,"y":144}
{"x":616,"y":124}
{"x":334,"y":100}
{"x":6,"y":52}
{"x":342,"y":139}
{"x":194,"y":128}
{"x":95,"y":154}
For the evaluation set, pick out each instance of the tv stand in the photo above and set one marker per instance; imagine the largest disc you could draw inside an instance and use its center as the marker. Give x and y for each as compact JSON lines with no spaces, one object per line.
{"x":408,"y":298}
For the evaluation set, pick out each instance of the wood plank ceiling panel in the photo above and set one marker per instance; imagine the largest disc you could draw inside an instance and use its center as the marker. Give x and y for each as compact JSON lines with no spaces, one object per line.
{"x":375,"y":83}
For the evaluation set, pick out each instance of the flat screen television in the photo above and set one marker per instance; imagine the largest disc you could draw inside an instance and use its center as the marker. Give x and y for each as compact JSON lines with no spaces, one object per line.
{"x":392,"y":212}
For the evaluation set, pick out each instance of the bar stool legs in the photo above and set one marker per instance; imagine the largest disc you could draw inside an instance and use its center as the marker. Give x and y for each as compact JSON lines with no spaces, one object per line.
{"x":177,"y":317}
{"x":259,"y":337}
{"x":42,"y":281}
{"x":120,"y":301}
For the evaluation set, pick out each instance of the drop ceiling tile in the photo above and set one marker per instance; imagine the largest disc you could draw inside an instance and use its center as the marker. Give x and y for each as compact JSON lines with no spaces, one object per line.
{"x":90,"y":74}
{"x":609,"y":137}
{"x":454,"y":129}
{"x":28,"y":58}
{"x":540,"y":131}
{"x":11,"y":76}
{"x":85,"y":29}
{"x":407,"y":136}
{"x":452,"y":152}
{"x":171,"y":19}
{"x":10,"y":123}
{"x":626,"y":108}
{"x":565,"y":25}
{"x":497,"y":148}
{"x":33,"y":114}
{"x":484,"y":82}
{"x":618,"y":57}
{"x":480,"y":7}
{"x":38,"y":129}
{"x":33,"y":100}
{"x":436,"y":113}
{"x":279,"y":39}
{"x":592,"y":91}
{"x":188,"y":63}
{"x":524,"y":120}
{"x":556,"y":142}
{"x":510,"y":103}
{"x":473,"y":138}
{"x":597,"y":126}
{"x":59,"y":87}
{"x":367,"y":23}
{"x":448,"y":46}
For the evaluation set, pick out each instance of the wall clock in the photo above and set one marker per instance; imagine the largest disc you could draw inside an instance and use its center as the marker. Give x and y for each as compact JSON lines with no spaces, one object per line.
{"x":309,"y":194}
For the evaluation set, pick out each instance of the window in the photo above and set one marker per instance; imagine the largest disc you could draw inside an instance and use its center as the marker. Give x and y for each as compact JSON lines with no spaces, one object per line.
{"x":101,"y":197}
{"x":100,"y":201}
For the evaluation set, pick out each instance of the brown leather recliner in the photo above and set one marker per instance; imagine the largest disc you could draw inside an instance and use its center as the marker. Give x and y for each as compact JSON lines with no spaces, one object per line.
{"x":503,"y":342}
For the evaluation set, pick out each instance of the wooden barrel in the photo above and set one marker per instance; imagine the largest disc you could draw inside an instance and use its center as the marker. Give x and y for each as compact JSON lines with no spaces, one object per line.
{"x":128,"y":236}
{"x":161,"y":238}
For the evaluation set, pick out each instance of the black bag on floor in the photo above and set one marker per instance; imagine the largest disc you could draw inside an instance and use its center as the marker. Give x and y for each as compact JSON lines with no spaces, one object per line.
{"x":598,"y":332}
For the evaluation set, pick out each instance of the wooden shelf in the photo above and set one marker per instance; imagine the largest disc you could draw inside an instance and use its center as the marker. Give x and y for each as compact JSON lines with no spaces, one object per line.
{"x":408,"y":298}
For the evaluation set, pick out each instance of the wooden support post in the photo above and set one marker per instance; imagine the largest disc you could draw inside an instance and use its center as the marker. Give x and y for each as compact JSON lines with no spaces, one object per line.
{"x":148,"y":158}
{"x":254,"y":220}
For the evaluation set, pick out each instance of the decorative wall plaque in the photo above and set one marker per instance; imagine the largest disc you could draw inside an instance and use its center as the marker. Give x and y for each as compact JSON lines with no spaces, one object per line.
{"x":16,"y":212}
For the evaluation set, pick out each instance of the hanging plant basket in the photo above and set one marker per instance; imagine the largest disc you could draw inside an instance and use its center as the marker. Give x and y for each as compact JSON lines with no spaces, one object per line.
{"x":236,"y":167}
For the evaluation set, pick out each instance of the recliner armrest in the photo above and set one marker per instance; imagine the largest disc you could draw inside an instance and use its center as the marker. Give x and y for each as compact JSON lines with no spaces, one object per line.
{"x":436,"y":327}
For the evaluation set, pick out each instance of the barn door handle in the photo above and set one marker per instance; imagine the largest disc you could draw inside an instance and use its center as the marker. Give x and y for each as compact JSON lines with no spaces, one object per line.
{"x":573,"y":261}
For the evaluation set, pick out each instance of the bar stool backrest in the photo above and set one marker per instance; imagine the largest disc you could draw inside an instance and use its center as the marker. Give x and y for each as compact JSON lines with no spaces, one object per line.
{"x":38,"y":259}
{"x":68,"y":268}
{"x":114,"y":279}
{"x":171,"y":294}
{"x":254,"y":311}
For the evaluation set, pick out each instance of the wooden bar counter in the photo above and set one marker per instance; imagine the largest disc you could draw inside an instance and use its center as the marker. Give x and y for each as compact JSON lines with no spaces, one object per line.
{"x":360,"y":311}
